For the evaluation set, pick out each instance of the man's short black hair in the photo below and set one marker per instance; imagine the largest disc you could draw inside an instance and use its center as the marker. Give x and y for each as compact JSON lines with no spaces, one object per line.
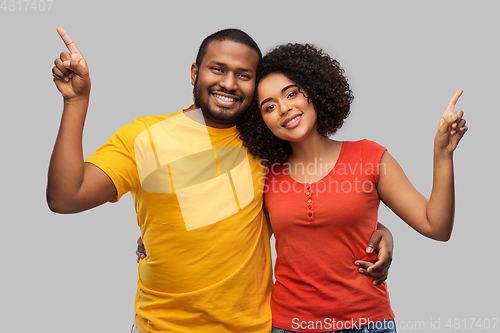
{"x":234,"y":35}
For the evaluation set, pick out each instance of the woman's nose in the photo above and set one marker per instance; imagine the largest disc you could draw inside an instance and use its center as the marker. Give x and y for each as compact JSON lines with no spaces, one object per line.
{"x":284,"y":107}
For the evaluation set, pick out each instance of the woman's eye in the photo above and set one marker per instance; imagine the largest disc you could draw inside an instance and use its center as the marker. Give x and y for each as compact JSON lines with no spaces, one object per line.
{"x":292,"y":94}
{"x":270,"y":108}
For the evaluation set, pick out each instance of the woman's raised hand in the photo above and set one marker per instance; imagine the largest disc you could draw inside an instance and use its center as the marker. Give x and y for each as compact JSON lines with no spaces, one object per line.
{"x":451,"y":126}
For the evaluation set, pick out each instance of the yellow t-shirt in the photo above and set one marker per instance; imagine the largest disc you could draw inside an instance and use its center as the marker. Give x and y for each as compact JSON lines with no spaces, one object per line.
{"x":198,"y":198}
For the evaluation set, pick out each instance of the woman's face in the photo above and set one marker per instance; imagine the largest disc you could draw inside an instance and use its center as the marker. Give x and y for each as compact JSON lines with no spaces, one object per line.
{"x":286,"y":109}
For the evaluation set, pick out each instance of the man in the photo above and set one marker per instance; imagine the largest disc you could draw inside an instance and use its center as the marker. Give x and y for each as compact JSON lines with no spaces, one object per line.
{"x":197,"y":193}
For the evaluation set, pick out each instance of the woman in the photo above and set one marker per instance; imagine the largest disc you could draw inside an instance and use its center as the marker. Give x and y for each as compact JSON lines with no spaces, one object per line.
{"x":323,"y":195}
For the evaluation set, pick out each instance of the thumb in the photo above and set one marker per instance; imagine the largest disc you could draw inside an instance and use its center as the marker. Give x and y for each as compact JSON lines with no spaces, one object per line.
{"x":78,"y":67}
{"x":447,"y":119}
{"x":373,"y":242}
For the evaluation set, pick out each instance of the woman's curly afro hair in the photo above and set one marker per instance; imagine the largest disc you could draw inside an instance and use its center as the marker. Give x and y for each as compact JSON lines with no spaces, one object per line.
{"x":319,"y":76}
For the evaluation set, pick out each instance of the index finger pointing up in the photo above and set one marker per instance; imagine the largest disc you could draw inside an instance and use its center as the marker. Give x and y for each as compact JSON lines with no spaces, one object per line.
{"x":68,"y":41}
{"x":453,"y":100}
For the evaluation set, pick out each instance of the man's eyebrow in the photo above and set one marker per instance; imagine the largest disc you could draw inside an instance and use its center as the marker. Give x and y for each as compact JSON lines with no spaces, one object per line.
{"x":282,"y":91}
{"x":218,"y":63}
{"x":248,"y":70}
{"x":222,"y":64}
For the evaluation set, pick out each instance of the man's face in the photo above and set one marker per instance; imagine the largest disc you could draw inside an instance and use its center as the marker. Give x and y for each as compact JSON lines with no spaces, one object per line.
{"x":225,"y":82}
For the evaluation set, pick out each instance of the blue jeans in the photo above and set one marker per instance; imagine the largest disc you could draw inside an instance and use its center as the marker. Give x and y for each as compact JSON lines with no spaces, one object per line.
{"x":135,"y":329}
{"x":386,"y":326}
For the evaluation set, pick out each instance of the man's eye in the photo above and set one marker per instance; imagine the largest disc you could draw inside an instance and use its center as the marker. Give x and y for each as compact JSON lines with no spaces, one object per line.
{"x":217,"y":69}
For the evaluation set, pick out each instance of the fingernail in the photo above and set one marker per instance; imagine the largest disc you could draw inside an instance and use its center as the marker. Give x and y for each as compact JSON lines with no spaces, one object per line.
{"x":66,"y":64}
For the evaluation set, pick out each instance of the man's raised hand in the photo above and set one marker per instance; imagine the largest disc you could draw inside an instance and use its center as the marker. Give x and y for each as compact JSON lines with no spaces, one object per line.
{"x":71,"y":73}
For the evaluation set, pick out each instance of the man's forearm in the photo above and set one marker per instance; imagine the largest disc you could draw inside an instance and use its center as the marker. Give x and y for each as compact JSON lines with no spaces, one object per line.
{"x":66,"y":168}
{"x":387,"y":233}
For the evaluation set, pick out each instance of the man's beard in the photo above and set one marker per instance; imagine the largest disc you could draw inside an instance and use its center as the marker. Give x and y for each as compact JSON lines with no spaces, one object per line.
{"x":219,"y":116}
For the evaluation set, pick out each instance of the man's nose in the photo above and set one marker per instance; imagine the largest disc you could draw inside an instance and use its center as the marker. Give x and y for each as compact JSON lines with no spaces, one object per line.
{"x":228,"y":82}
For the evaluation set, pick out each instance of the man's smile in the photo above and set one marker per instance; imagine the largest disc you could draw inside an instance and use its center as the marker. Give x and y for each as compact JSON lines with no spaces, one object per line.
{"x":225,"y":100}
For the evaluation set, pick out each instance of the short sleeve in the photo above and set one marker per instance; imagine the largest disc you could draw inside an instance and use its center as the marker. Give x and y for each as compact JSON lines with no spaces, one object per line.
{"x":117,"y":158}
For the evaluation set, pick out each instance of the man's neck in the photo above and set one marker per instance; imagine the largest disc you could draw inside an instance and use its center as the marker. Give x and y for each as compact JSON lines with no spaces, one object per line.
{"x":195,"y":114}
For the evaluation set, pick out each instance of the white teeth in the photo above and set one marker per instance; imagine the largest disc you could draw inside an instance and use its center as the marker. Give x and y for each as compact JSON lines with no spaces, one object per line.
{"x":227,"y":99}
{"x":291,"y":121}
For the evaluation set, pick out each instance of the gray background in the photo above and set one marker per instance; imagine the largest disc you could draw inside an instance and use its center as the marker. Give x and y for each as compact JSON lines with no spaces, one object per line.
{"x":404,"y":60}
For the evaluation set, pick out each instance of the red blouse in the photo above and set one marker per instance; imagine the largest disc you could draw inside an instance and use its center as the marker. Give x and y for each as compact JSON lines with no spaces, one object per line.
{"x":321,"y":229}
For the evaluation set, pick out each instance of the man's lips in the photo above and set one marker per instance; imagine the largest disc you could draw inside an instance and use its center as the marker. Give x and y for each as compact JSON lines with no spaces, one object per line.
{"x":224,"y":99}
{"x":290,"y":121}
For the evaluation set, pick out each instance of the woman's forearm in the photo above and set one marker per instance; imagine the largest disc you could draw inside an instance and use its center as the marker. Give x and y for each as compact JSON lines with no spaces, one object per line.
{"x":441,"y":205}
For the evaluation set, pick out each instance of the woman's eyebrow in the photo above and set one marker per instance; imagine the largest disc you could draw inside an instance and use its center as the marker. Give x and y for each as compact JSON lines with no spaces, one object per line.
{"x":282,"y":91}
{"x":265,"y":101}
{"x":288,"y":87}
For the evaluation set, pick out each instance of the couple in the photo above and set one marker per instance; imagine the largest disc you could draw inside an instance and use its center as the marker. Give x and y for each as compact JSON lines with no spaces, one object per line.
{"x":198,"y":193}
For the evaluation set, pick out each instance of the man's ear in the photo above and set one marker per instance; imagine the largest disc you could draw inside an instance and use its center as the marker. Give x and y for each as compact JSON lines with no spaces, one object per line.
{"x":194,"y":73}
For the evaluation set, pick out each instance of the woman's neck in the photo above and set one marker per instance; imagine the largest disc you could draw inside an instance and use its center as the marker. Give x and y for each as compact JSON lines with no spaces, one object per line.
{"x":310,"y":149}
{"x":317,"y":155}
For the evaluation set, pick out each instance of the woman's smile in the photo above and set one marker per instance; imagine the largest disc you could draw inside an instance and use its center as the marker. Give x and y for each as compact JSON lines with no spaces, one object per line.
{"x":292,"y":121}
